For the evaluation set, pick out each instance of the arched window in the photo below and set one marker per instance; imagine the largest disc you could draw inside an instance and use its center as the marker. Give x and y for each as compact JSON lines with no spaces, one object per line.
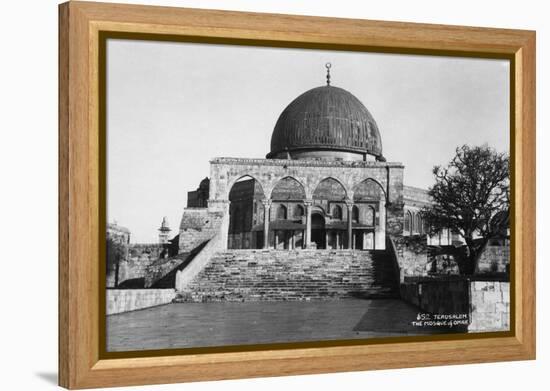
{"x":369,"y":216}
{"x":420,"y":224}
{"x":417,"y":226}
{"x":355,"y":214}
{"x":281,"y":212}
{"x":337,"y":212}
{"x":298,"y":210}
{"x":408,"y":223}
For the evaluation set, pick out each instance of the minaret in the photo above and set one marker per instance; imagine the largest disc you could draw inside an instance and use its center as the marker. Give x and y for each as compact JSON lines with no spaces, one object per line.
{"x":164,"y":232}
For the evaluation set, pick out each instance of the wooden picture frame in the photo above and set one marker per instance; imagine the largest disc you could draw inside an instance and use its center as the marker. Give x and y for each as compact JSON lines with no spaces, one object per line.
{"x":81,"y":164}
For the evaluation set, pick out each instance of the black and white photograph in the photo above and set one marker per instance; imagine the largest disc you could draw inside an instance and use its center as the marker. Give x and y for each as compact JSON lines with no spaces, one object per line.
{"x":269,"y":195}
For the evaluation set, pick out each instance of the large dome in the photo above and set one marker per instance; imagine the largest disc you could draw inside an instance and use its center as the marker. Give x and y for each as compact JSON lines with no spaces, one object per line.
{"x":327,"y":123}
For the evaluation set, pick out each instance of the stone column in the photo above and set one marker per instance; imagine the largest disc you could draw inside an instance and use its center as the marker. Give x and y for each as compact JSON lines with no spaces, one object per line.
{"x":349,"y":204}
{"x":337,"y":240}
{"x":380,"y":229}
{"x":307,"y":240}
{"x":267,"y":208}
{"x":224,"y":229}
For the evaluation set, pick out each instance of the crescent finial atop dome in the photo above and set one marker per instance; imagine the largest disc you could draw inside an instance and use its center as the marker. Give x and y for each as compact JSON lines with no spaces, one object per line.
{"x":328,"y":65}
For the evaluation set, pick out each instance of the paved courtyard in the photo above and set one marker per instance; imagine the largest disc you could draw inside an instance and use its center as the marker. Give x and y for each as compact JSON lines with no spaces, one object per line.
{"x":239,"y":323}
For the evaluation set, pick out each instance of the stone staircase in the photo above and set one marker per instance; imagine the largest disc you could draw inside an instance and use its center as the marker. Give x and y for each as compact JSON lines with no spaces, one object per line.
{"x":253,"y":275}
{"x":162,"y":272}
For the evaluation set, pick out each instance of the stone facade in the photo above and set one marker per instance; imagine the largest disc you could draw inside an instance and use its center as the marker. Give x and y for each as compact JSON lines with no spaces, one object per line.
{"x":288,"y":220}
{"x":315,"y":177}
{"x":224,"y":172}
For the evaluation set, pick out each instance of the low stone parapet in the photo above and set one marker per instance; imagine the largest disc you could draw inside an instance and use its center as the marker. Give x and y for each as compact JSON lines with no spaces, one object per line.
{"x":124,"y":300}
{"x":486,"y":303}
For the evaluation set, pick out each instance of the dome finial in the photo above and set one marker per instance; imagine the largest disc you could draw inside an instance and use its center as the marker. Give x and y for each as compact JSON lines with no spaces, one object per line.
{"x":328,"y":65}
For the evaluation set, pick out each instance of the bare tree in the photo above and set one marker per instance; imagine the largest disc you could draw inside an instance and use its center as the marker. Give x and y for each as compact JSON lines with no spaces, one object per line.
{"x":468,"y":192}
{"x":115,"y":253}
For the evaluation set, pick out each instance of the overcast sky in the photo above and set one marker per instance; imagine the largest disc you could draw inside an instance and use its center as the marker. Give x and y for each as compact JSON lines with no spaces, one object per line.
{"x":171,"y":107}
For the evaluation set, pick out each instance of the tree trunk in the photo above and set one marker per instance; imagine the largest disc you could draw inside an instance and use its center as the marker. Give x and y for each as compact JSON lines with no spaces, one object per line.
{"x":117,"y":267}
{"x":467,"y":263}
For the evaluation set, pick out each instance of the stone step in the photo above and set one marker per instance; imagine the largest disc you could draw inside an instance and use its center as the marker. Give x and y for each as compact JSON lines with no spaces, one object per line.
{"x":294,"y":275}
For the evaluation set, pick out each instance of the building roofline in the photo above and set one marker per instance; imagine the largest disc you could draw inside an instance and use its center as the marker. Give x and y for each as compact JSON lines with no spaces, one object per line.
{"x":305,"y":162}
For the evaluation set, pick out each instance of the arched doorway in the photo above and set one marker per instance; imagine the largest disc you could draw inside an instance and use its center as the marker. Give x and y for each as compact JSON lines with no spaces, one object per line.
{"x":318,"y":232}
{"x":287,"y":220}
{"x":246,"y":214}
{"x":328,"y":198}
{"x":368,"y":215}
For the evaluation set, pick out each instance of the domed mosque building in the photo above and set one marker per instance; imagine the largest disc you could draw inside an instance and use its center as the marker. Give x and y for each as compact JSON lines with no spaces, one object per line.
{"x":324,"y":185}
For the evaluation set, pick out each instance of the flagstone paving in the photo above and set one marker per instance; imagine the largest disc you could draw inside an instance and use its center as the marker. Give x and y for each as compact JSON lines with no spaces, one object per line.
{"x":187,"y":325}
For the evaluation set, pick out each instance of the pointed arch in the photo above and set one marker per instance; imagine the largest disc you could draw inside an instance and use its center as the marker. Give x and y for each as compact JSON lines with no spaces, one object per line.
{"x":407,"y":226}
{"x":418,"y":223}
{"x":330,"y":189}
{"x":368,"y":190}
{"x":288,"y":188}
{"x":243,"y":196}
{"x":259,"y":190}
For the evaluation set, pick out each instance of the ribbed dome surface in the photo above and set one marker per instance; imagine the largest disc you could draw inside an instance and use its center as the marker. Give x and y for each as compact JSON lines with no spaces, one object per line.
{"x":326,"y":118}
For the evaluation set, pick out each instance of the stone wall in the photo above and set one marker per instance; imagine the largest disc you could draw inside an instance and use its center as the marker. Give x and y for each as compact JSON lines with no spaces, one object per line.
{"x":159,"y":269}
{"x":124,"y":300}
{"x":446,"y":264}
{"x":490,"y":306}
{"x":251,"y":275}
{"x":197,"y":226}
{"x":139,"y":257}
{"x":185,"y":274}
{"x":412,"y":255}
{"x":487,"y":303}
{"x":436,"y":296}
{"x":494,"y":259}
{"x":394,"y":219}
